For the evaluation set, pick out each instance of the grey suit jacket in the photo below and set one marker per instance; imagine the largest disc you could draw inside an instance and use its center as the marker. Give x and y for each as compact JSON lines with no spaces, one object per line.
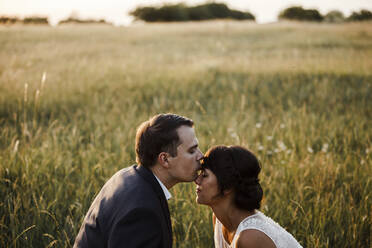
{"x":129,"y":211}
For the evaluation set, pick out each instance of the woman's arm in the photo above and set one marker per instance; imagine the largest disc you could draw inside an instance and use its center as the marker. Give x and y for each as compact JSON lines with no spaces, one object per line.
{"x":252,"y":238}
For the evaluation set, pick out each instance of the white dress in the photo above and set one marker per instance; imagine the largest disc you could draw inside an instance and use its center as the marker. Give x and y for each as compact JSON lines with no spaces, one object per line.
{"x":260,"y":222}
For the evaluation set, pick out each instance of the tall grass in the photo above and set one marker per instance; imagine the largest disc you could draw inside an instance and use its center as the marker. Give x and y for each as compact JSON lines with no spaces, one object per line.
{"x":298,"y":95}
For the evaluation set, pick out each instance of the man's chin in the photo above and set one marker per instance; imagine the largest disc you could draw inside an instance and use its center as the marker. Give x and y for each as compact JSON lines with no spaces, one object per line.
{"x":189,"y":180}
{"x":194,"y":177}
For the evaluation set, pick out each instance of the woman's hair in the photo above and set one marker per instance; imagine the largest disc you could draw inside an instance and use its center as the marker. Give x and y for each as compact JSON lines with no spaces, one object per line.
{"x":236,"y":168}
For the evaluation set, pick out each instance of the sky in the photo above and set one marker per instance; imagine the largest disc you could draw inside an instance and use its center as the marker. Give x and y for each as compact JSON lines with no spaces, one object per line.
{"x":116,"y":11}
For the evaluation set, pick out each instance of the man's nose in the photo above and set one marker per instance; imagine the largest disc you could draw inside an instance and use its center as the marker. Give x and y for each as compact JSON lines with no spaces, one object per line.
{"x":201,"y":155}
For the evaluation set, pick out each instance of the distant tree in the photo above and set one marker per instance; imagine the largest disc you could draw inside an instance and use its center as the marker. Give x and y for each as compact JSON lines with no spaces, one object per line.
{"x":200,"y":12}
{"x":82,"y":21}
{"x":169,"y":13}
{"x":219,"y":10}
{"x":147,"y":14}
{"x":181,"y":12}
{"x":165,"y":13}
{"x":74,"y":18}
{"x":363,"y":15}
{"x":36,"y":20}
{"x":334,"y":16}
{"x":9,"y":20}
{"x":299,"y":14}
{"x":239,"y":15}
{"x":208,"y":11}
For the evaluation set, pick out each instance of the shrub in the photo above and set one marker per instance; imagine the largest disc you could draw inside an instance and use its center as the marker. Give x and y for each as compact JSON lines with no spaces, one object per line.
{"x":363,"y":15}
{"x":334,"y":16}
{"x":36,"y":20}
{"x":299,"y":14}
{"x":80,"y":21}
{"x":8,"y":20}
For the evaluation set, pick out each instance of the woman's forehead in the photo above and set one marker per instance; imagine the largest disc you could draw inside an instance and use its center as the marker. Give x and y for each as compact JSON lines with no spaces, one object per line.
{"x":205,"y":169}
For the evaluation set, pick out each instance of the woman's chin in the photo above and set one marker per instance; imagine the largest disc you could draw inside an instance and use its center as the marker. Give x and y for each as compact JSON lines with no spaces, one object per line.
{"x":200,"y":201}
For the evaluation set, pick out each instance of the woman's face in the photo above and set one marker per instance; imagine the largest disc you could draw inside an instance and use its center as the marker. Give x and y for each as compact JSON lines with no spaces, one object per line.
{"x":207,"y":191}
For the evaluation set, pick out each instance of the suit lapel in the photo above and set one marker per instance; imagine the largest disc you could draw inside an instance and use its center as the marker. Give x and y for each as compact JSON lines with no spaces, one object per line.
{"x":150,"y":178}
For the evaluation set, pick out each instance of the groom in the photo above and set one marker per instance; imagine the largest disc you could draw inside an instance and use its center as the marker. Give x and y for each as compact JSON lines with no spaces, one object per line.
{"x":131,"y":210}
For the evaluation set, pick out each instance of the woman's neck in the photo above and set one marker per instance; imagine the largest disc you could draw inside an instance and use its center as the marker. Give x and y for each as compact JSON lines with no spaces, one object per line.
{"x":230,"y":216}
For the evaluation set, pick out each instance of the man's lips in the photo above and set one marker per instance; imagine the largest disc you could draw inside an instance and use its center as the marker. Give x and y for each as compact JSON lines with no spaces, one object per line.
{"x":198,"y":190}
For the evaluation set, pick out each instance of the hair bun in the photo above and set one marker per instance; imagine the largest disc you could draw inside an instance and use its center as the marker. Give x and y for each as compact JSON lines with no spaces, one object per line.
{"x":252,"y":181}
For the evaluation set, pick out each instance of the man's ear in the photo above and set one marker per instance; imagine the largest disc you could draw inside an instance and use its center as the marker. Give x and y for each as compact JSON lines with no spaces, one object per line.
{"x":163,"y":159}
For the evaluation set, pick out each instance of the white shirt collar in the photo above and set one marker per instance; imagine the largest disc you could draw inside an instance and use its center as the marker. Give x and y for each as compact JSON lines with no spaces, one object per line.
{"x":165,"y":190}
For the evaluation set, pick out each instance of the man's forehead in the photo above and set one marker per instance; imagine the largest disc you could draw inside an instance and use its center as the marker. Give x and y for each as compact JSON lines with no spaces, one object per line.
{"x":187,"y":136}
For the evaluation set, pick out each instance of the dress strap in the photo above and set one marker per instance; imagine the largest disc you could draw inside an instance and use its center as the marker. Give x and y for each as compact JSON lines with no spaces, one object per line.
{"x":219,"y":240}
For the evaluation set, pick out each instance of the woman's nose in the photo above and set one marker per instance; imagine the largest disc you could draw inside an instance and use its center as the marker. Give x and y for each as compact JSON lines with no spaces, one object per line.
{"x":197,"y":180}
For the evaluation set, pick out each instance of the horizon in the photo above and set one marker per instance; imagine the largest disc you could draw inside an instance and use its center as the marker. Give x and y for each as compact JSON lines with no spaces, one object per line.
{"x":117,"y":12}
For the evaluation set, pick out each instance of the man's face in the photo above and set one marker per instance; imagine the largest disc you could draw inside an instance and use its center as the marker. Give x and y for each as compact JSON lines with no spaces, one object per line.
{"x":184,"y":167}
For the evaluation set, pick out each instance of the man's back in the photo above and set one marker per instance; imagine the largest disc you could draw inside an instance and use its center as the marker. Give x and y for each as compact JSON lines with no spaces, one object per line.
{"x":129,"y":211}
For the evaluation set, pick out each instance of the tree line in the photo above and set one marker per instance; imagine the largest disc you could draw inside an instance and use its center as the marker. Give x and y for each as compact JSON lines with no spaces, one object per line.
{"x":297,"y":13}
{"x":181,"y":12}
{"x":207,"y":11}
{"x":26,"y":20}
{"x":44,"y":20}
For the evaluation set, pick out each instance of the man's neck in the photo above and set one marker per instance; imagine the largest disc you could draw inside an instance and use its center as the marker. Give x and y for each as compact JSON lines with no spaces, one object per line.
{"x":162,"y":175}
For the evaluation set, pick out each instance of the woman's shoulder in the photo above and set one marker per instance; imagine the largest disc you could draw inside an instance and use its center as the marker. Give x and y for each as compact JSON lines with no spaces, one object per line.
{"x":252,"y":238}
{"x":260,"y":227}
{"x":251,"y":234}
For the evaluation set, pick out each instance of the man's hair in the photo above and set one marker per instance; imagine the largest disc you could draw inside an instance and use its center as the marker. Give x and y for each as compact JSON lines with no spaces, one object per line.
{"x":159,"y":134}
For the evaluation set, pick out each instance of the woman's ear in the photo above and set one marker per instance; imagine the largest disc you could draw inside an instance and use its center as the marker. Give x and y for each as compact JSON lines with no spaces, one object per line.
{"x":163,"y":159}
{"x":227,"y":191}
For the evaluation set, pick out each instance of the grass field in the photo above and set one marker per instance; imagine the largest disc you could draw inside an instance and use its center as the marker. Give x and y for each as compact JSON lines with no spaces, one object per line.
{"x":298,"y":95}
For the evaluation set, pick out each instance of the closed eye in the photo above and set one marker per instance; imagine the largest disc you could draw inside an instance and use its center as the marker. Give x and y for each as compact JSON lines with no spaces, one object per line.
{"x":193,"y":149}
{"x":202,"y":173}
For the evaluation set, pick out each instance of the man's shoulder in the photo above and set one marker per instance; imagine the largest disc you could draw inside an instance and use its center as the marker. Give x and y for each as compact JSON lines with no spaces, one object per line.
{"x":128,"y":183}
{"x":127,"y":179}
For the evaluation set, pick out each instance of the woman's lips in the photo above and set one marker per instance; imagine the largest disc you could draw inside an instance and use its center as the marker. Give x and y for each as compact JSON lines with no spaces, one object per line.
{"x":198,"y":190}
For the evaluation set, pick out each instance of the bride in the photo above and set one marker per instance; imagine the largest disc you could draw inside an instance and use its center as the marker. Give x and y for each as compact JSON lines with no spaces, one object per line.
{"x":228,"y":183}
